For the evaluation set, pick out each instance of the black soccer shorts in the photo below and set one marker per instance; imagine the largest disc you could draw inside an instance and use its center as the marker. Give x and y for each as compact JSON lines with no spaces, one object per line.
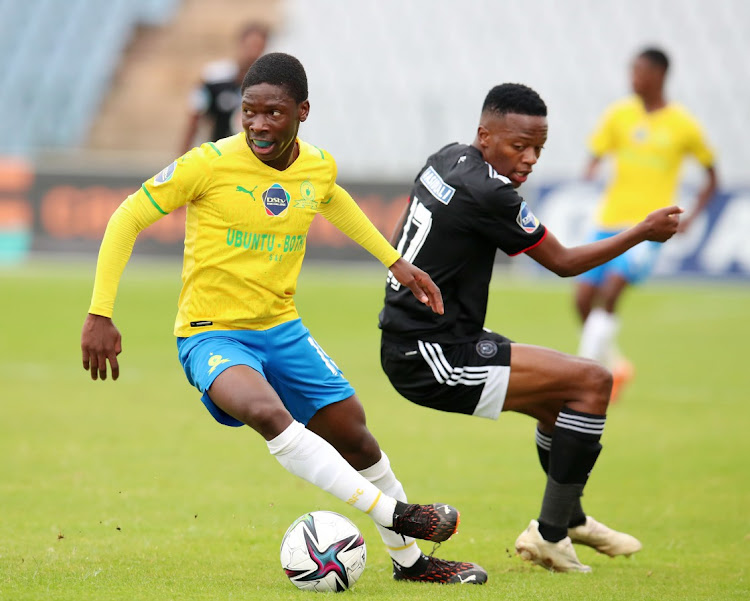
{"x":469,"y":377}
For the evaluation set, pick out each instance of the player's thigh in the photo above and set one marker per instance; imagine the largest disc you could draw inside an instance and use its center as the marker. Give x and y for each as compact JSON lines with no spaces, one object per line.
{"x":302,"y":373}
{"x":243,"y":393}
{"x":543,"y":380}
{"x":344,"y":425}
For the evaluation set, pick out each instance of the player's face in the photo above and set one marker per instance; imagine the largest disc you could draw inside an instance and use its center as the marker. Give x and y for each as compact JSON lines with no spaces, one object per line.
{"x":645,"y":77}
{"x":249,"y":49}
{"x":271,"y":118}
{"x":512,"y":143}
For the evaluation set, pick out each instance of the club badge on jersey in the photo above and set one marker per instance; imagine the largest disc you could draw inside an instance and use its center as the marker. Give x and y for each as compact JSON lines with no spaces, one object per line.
{"x":526,"y":219}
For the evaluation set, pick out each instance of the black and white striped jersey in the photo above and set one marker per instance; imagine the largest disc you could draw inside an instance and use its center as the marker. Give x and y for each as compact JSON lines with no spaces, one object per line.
{"x":460,"y":212}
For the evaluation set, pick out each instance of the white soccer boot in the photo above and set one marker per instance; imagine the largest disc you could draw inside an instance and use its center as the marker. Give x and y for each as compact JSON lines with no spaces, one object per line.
{"x":605,"y":540}
{"x":558,"y":557}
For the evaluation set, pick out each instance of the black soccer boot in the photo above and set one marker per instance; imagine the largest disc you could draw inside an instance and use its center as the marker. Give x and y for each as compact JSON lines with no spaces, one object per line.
{"x":440,"y":571}
{"x":436,"y":522}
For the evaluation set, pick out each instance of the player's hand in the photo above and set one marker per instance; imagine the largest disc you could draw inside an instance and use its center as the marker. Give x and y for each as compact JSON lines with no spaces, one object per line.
{"x":662,"y":224}
{"x":419,"y":283}
{"x":100,"y":342}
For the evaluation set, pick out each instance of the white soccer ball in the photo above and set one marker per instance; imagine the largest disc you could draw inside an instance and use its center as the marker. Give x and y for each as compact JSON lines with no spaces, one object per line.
{"x":323,"y":551}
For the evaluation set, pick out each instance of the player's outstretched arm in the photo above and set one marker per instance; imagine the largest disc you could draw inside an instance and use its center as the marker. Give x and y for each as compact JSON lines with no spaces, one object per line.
{"x":659,"y":226}
{"x":419,"y":283}
{"x":705,"y":196}
{"x":100,"y":342}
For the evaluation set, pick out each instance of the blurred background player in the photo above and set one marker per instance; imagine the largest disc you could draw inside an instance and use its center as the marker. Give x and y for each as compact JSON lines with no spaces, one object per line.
{"x":215,"y":103}
{"x":648,"y":137}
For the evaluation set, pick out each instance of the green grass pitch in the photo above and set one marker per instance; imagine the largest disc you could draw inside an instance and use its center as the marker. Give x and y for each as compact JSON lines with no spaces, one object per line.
{"x":128,"y":490}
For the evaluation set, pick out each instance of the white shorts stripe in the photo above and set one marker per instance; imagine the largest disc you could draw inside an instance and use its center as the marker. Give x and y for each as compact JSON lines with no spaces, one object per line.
{"x":445,"y":373}
{"x":428,"y":359}
{"x":491,"y":401}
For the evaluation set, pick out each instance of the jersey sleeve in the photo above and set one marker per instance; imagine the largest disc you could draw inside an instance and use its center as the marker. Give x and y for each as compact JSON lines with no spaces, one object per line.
{"x":182,"y":181}
{"x":502,"y":216}
{"x":602,"y":139}
{"x":346,"y":215}
{"x":174,"y":186}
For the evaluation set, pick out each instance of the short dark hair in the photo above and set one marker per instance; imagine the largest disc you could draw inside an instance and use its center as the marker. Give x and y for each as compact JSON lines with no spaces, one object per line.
{"x":656,"y":57}
{"x":514,"y":98}
{"x":278,"y":69}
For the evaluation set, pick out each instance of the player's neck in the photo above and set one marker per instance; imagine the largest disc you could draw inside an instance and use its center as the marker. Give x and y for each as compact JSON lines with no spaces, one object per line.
{"x":653,"y":102}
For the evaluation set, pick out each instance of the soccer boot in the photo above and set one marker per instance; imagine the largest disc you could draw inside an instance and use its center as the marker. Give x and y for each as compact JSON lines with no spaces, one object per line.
{"x":557,"y":557}
{"x":605,"y":540}
{"x":622,"y":373}
{"x":440,"y":571}
{"x":436,"y":522}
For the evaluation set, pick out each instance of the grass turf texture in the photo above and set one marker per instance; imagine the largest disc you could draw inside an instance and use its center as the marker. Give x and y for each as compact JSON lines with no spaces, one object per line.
{"x":129,"y":490}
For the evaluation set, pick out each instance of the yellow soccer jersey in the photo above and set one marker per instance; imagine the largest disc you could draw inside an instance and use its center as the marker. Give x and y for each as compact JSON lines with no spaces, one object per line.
{"x":648,"y":150}
{"x":245,"y":233}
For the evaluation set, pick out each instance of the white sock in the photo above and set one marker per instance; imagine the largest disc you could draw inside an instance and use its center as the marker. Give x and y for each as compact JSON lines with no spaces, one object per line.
{"x":305,"y":454}
{"x":598,"y":337}
{"x":403,"y":549}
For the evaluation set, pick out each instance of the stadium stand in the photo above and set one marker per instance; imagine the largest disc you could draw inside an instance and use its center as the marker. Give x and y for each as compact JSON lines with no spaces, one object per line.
{"x":56,"y":62}
{"x":390,"y":81}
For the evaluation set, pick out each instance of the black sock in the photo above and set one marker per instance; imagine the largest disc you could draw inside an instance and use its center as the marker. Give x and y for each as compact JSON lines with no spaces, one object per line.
{"x":572,"y":455}
{"x":543,"y":444}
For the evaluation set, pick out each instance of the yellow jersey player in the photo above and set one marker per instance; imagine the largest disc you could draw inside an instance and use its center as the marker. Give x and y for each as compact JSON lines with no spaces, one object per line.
{"x":250,"y":201}
{"x":648,"y":139}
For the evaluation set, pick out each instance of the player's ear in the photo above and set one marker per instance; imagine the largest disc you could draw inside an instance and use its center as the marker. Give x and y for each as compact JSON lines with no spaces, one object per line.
{"x":483,"y":135}
{"x":303,"y":110}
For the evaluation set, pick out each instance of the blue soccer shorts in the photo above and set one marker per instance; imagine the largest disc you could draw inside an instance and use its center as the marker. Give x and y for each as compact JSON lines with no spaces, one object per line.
{"x":634,"y":265}
{"x":287,"y":356}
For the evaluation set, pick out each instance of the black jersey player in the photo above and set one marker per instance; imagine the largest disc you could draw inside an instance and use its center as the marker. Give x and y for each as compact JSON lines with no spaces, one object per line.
{"x":463,"y":207}
{"x":216,"y":101}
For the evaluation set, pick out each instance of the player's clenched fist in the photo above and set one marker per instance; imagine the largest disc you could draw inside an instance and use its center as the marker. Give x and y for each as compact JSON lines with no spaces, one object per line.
{"x":100,"y":342}
{"x":662,"y":224}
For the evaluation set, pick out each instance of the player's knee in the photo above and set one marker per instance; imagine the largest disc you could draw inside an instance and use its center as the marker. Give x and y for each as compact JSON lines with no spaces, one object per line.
{"x":360,"y":449}
{"x":267,"y":421}
{"x":598,"y":384}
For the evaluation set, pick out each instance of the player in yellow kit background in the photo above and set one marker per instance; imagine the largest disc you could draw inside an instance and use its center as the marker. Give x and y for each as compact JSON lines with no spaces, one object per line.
{"x":250,"y":201}
{"x":648,"y":139}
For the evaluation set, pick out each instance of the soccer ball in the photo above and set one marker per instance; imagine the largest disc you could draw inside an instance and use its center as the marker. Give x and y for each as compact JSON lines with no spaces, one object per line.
{"x":323,"y":551}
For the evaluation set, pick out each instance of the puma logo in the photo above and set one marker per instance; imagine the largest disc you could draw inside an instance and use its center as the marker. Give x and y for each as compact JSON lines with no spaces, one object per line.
{"x":246,"y":191}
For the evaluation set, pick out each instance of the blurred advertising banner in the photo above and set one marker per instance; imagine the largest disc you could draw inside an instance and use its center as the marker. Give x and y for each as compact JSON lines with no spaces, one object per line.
{"x":16,"y":220}
{"x":717,"y":244}
{"x":71,"y":210}
{"x":68,"y":212}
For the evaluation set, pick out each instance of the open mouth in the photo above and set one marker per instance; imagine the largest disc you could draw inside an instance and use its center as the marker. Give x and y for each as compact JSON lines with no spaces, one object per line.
{"x":262,"y":146}
{"x":520,"y":176}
